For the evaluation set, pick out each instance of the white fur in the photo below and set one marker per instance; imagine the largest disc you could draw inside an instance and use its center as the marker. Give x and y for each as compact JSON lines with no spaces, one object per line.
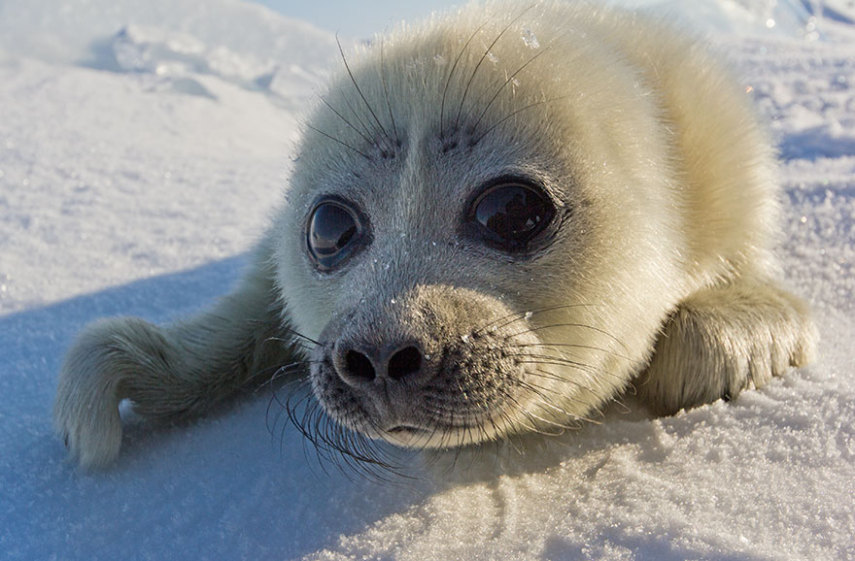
{"x":635,"y":128}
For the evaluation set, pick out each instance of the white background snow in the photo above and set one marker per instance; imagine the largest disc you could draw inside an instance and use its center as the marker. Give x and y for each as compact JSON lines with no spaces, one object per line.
{"x":143,"y":146}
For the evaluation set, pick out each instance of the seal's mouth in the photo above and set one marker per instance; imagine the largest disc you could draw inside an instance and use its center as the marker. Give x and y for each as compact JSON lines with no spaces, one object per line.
{"x":406,"y":429}
{"x":407,"y":435}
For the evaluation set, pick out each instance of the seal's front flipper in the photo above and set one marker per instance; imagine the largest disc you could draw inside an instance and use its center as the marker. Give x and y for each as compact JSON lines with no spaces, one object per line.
{"x":725,"y":339}
{"x":178,"y":371}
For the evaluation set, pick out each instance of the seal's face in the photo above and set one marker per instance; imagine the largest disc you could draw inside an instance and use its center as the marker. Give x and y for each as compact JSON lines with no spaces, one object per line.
{"x":422,"y":354}
{"x":459,"y":239}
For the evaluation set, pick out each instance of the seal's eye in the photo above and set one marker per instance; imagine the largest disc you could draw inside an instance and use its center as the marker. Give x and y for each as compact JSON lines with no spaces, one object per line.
{"x":510,"y":214}
{"x":333,"y":234}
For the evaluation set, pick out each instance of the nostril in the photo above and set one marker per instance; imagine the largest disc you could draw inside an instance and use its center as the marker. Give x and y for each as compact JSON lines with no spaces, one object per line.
{"x":359,"y":366}
{"x":405,"y":362}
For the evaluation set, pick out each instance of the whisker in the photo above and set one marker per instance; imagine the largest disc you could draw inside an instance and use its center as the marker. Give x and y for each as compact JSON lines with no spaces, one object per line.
{"x":574,"y":346}
{"x":549,"y":376}
{"x":332,"y":442}
{"x":275,"y":398}
{"x":300,"y":347}
{"x":386,"y":94}
{"x":514,"y":113}
{"x":517,"y":316}
{"x":368,"y":130}
{"x":503,"y":86}
{"x":557,"y":361}
{"x":559,"y":358}
{"x":302,"y":336}
{"x":358,"y":89}
{"x":348,"y":123}
{"x":481,"y":61}
{"x":545,"y":401}
{"x":296,"y":333}
{"x":580,"y":325}
{"x":288,"y":369}
{"x":334,"y":139}
{"x":451,"y":74}
{"x":541,"y":391}
{"x":542,"y":374}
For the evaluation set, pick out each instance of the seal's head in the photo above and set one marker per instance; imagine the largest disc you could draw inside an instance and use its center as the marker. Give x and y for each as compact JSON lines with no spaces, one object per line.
{"x":480,"y":231}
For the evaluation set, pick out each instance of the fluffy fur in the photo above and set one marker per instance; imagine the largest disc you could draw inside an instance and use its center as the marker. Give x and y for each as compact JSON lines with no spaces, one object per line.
{"x":657,"y":271}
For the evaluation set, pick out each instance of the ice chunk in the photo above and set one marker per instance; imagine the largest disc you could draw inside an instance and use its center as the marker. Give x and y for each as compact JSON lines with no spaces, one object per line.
{"x":530,"y":39}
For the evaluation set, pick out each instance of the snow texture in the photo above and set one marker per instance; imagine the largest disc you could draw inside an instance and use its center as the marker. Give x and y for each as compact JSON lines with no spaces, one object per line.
{"x":143,"y":147}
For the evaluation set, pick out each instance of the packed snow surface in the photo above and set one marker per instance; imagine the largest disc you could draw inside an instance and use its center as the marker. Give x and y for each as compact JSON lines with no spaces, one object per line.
{"x":143,"y":147}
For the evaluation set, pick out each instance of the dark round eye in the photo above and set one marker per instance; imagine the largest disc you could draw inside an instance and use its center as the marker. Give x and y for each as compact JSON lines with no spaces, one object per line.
{"x":333,"y":232}
{"x":511,"y":214}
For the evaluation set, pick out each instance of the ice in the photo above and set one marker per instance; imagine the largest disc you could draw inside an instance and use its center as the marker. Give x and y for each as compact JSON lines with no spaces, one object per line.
{"x":174,"y":40}
{"x":530,"y":39}
{"x":178,"y":59}
{"x":783,"y":18}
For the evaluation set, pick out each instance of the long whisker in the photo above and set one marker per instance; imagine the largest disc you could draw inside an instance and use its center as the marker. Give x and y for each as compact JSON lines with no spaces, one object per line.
{"x":287,"y":370}
{"x":514,"y":113}
{"x":503,"y":86}
{"x":561,"y":361}
{"x":368,"y":129}
{"x":295,"y":383}
{"x":517,"y":316}
{"x":574,"y":346}
{"x":549,"y":401}
{"x":481,"y":61}
{"x":304,"y":338}
{"x":579,"y":325}
{"x":347,"y":122}
{"x":333,"y":443}
{"x":359,"y":90}
{"x":450,"y":75}
{"x":386,"y":94}
{"x":336,"y":140}
{"x":528,"y":413}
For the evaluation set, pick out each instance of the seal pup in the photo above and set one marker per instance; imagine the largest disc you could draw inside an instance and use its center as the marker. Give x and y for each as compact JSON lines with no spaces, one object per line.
{"x":497,"y":222}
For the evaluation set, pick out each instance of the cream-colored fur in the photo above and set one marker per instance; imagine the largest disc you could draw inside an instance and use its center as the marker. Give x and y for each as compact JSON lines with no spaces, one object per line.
{"x":658,"y":270}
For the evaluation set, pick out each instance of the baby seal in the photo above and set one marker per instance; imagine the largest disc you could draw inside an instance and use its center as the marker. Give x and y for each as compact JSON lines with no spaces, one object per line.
{"x":497,"y":222}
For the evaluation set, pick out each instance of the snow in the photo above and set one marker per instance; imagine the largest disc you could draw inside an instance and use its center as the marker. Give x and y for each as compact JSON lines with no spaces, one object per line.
{"x":143,"y":147}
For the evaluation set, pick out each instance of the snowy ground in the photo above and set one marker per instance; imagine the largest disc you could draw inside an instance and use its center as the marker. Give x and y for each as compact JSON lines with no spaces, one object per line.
{"x":141,"y":152}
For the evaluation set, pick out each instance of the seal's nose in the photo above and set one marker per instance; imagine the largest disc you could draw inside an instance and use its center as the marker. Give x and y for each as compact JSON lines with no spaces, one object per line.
{"x":358,"y":366}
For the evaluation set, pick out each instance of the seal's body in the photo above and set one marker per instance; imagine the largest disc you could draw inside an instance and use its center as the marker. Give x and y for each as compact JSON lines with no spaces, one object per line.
{"x":496,"y":223}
